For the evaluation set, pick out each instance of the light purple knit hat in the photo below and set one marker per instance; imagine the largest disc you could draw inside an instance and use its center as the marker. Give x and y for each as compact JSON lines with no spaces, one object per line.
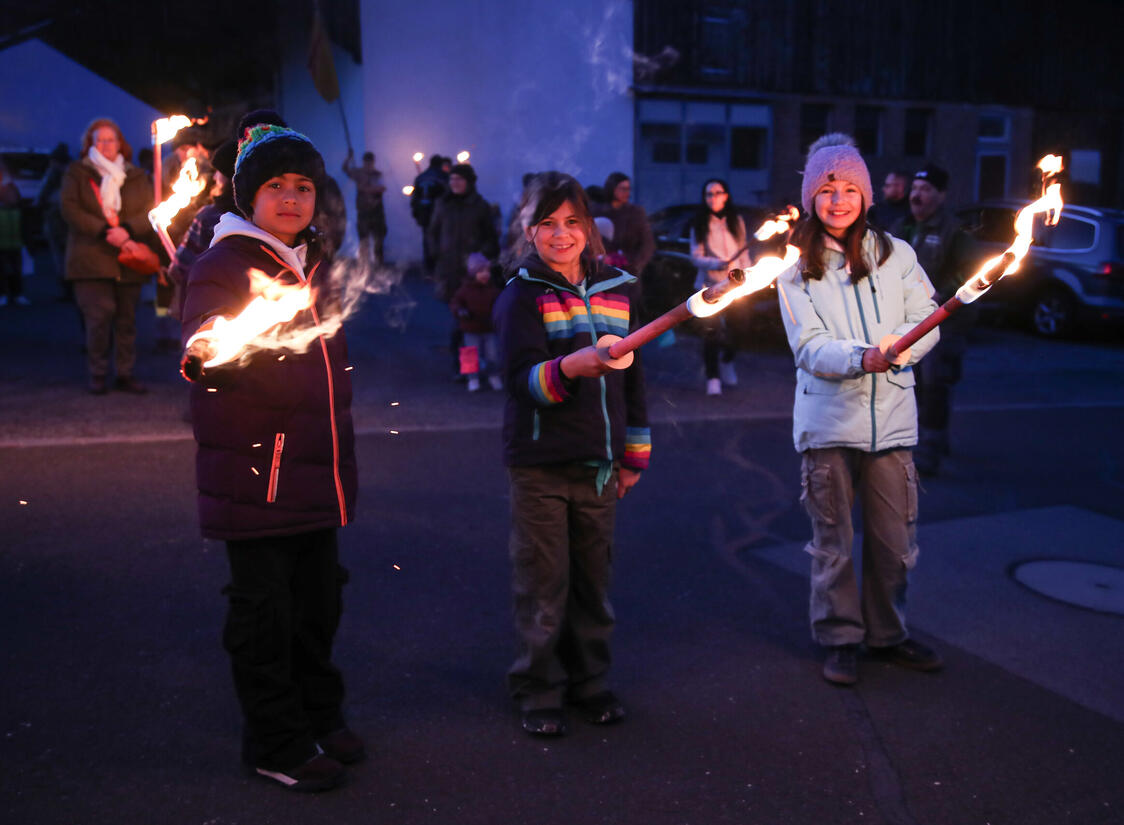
{"x":834,"y":157}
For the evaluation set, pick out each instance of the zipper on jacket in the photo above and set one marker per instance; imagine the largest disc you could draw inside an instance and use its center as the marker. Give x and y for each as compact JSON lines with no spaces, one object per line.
{"x":275,"y":467}
{"x":873,"y":376}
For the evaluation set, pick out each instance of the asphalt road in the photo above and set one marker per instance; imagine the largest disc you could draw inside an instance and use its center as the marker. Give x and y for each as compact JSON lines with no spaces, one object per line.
{"x":119,"y":707}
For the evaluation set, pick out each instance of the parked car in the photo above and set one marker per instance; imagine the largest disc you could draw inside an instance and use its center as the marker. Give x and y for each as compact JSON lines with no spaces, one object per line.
{"x":670,"y":277}
{"x":1073,"y":274}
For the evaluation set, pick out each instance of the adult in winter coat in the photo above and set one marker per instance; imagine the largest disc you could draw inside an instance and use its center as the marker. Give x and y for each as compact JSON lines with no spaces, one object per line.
{"x":632,"y":232}
{"x":853,"y":291}
{"x":105,"y":201}
{"x":275,"y":467}
{"x":462,"y":223}
{"x":575,"y":440}
{"x":718,"y":244}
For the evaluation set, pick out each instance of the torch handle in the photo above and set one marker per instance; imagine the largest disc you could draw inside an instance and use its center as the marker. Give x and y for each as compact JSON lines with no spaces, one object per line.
{"x":911,"y":337}
{"x":649,"y":332}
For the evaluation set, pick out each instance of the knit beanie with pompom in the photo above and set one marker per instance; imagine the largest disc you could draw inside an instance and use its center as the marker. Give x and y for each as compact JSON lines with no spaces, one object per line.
{"x":267,"y":151}
{"x":834,"y":157}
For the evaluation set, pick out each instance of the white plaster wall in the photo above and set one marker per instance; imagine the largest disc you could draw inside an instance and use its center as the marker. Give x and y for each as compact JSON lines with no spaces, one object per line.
{"x":47,"y":97}
{"x":524,"y":85}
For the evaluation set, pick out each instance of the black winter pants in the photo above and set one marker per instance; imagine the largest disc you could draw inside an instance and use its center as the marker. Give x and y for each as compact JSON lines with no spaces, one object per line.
{"x":285,"y":603}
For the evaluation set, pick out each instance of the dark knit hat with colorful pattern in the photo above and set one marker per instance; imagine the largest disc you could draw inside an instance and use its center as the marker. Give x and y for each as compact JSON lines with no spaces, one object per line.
{"x":268,"y":151}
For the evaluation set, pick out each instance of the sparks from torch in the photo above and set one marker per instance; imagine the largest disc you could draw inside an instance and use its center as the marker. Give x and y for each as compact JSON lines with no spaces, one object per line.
{"x":1049,"y":204}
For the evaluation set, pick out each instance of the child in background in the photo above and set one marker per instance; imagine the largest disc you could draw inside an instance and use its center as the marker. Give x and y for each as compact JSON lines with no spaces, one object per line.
{"x":275,"y":468}
{"x":575,"y":440}
{"x":614,"y":257}
{"x":472,"y":306}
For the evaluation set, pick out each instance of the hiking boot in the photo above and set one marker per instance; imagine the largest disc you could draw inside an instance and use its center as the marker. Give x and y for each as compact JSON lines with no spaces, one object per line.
{"x":911,"y":654}
{"x":841,"y":667}
{"x":544,"y":722}
{"x":320,"y":773}
{"x":602,"y":708}
{"x":343,"y":746}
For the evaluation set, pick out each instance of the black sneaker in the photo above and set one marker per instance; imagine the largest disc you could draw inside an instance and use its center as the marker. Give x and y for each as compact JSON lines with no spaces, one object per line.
{"x":320,"y":773}
{"x":602,"y":708}
{"x":343,"y":746}
{"x":911,"y":654}
{"x":544,"y":722}
{"x":841,"y":667}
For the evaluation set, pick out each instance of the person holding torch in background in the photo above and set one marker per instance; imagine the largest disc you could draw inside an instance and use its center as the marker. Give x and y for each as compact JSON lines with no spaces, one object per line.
{"x":855,"y":417}
{"x":275,"y":466}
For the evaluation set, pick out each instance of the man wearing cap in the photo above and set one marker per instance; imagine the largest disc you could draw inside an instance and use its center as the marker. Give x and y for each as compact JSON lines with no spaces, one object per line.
{"x":944,"y":252}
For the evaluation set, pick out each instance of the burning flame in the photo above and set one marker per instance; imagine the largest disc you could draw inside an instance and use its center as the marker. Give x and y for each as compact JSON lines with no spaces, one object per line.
{"x":757,"y":277}
{"x":1050,"y":204}
{"x":462,"y":157}
{"x":777,"y":225}
{"x":418,"y":157}
{"x":274,"y":303}
{"x":407,"y":190}
{"x":166,"y":128}
{"x":187,"y":186}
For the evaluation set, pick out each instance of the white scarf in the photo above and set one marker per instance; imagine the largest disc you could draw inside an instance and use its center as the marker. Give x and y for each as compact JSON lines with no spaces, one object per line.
{"x":112,"y":176}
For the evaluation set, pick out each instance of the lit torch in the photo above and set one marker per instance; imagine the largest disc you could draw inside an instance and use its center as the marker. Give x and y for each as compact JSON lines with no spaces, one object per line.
{"x":418,"y":156}
{"x":1049,"y":203}
{"x":163,"y":130}
{"x":617,"y":352}
{"x":222,"y":340}
{"x":463,"y":156}
{"x":187,"y":186}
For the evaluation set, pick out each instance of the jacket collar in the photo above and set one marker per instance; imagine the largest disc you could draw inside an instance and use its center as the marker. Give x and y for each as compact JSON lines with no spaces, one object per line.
{"x":230,"y":224}
{"x":599,"y":277}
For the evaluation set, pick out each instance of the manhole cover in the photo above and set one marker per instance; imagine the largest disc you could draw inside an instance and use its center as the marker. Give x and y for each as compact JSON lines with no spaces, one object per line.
{"x":1085,"y":584}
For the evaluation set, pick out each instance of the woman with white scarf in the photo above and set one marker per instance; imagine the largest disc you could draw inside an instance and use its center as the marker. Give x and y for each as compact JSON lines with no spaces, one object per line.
{"x":105,"y":201}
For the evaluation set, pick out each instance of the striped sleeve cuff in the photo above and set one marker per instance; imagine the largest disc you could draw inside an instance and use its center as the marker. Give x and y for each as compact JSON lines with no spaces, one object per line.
{"x":546,"y":384}
{"x":637,"y":448}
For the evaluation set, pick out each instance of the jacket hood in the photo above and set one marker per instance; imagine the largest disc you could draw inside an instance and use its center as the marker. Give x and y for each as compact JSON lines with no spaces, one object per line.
{"x":231,"y":224}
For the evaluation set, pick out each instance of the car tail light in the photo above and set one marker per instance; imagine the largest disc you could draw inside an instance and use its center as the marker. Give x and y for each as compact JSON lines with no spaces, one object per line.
{"x":1110,"y":269}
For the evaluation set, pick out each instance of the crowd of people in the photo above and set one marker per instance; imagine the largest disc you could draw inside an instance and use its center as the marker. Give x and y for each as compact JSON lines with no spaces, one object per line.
{"x":527,"y":310}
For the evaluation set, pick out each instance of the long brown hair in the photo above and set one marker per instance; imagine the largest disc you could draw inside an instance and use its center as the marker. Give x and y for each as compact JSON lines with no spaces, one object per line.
{"x":810,"y":235}
{"x":541,"y":198}
{"x":100,"y":123}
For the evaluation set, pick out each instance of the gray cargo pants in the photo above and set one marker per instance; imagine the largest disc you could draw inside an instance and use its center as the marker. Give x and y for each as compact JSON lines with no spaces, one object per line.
{"x":561,"y":554}
{"x":886,"y":484}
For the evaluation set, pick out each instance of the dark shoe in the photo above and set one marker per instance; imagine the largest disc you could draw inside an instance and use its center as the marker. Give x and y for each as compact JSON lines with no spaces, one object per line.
{"x":127,"y":383}
{"x":544,"y":722}
{"x":320,"y":773}
{"x":601,"y":709}
{"x":841,"y":667}
{"x":97,"y":385}
{"x":911,"y":654}
{"x":343,"y":746}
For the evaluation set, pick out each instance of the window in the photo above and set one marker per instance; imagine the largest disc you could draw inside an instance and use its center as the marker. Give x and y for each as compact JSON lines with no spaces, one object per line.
{"x":815,"y":119}
{"x":993,"y":126}
{"x":660,"y":142}
{"x":717,"y":46}
{"x":1071,"y":234}
{"x":917,"y":126}
{"x":702,"y":139}
{"x":868,"y":130}
{"x":747,"y":147}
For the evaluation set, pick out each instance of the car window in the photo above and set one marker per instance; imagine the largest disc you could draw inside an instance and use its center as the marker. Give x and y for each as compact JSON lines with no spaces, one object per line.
{"x":1069,"y":234}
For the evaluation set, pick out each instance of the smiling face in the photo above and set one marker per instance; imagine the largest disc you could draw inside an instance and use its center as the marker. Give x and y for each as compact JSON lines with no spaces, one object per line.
{"x":284,"y":205}
{"x":838,"y":205}
{"x":560,"y":238}
{"x":107,"y":143}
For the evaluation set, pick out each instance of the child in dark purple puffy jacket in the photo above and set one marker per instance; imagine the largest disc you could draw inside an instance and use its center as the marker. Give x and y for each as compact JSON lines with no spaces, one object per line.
{"x":275,"y":468}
